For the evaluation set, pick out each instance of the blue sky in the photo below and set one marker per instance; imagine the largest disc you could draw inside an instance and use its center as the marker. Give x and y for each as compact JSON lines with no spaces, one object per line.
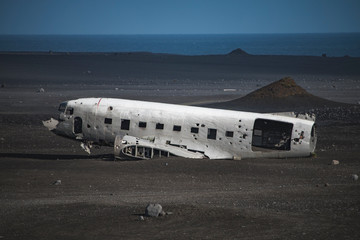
{"x":178,"y":16}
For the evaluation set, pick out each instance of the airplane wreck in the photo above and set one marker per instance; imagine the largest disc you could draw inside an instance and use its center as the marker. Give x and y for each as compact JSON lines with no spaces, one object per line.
{"x":145,"y":130}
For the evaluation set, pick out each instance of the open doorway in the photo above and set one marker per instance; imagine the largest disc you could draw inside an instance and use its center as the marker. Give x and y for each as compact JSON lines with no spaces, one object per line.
{"x":77,"y":125}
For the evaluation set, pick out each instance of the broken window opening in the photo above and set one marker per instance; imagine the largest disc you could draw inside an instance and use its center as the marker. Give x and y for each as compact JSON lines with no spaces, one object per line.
{"x":125,"y":124}
{"x":211,"y":133}
{"x":108,"y":121}
{"x":159,"y":126}
{"x":270,"y":134}
{"x":177,"y":128}
{"x":142,"y":124}
{"x":195,"y":130}
{"x":229,"y":134}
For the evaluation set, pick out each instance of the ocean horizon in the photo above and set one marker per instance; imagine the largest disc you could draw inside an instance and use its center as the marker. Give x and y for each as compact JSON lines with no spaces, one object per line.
{"x":303,"y":44}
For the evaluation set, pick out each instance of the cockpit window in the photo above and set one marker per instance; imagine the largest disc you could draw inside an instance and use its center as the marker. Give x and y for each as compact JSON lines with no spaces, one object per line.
{"x":62,"y":107}
{"x":69,"y":111}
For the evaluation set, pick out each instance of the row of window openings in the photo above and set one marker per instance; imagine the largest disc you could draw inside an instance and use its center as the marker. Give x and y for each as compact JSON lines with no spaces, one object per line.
{"x":125,"y":125}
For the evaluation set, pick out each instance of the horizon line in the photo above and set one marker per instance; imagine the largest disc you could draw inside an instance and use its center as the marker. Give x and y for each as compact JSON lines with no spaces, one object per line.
{"x":164,"y":34}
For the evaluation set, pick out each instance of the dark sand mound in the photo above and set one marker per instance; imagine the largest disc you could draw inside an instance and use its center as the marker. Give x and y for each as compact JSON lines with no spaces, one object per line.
{"x":283,"y":88}
{"x":238,"y":52}
{"x":285,"y":95}
{"x":282,"y":95}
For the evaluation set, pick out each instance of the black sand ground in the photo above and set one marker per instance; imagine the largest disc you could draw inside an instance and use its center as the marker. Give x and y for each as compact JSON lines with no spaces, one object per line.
{"x":301,"y":198}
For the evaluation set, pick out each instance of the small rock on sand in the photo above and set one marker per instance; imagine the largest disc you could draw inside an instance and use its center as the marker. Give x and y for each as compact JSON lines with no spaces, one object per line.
{"x":355,"y":177}
{"x":335,"y":162}
{"x":57,"y":182}
{"x":153,"y":210}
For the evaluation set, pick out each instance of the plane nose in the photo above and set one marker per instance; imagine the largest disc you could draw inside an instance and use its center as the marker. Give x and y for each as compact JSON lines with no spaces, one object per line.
{"x":51,"y":124}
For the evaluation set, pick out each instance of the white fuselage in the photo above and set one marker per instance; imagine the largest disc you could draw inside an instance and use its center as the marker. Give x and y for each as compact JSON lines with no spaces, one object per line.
{"x":215,"y":133}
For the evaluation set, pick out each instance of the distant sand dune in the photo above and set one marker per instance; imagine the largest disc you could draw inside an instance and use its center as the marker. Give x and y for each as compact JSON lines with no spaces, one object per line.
{"x":282,"y":95}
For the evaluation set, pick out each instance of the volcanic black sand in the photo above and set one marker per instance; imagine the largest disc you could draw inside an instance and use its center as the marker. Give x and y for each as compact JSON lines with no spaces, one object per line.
{"x":99,"y":198}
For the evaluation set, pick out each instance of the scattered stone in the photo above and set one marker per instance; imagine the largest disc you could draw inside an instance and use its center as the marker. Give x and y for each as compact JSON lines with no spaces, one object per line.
{"x":57,"y":182}
{"x":116,"y":89}
{"x":153,"y":210}
{"x":326,"y":185}
{"x":355,"y":177}
{"x":141,"y":218}
{"x":41,"y":90}
{"x":169,"y":213}
{"x":335,"y":162}
{"x":162,"y":213}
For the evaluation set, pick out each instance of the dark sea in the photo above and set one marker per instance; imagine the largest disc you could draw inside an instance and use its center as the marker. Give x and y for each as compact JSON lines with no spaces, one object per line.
{"x":331,"y":44}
